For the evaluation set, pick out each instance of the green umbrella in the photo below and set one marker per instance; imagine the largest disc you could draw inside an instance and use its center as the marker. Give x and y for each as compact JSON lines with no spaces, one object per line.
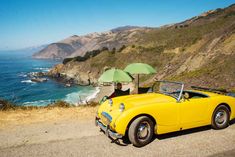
{"x":139,"y":68}
{"x":115,"y":75}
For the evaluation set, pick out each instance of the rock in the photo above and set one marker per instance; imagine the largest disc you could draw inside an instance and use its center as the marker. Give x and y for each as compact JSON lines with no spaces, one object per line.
{"x":67,"y":85}
{"x":37,"y":74}
{"x":39,"y":79}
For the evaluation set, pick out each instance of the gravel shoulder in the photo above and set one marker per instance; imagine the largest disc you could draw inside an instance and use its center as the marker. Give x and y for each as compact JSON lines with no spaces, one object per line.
{"x":77,"y":136}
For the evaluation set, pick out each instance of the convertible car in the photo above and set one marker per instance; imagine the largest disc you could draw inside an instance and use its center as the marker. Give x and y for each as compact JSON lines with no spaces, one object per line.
{"x":168,"y":109}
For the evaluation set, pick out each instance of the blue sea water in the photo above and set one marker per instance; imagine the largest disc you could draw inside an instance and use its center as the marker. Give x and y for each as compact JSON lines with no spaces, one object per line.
{"x":16,"y":86}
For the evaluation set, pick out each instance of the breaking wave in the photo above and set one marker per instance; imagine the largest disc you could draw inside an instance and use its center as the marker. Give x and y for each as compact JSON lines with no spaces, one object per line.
{"x":81,"y":97}
{"x":38,"y":103}
{"x":27,"y":81}
{"x":42,"y":69}
{"x":22,"y":75}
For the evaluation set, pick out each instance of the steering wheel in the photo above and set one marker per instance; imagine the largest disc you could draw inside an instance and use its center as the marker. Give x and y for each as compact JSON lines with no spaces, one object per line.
{"x":186,"y":95}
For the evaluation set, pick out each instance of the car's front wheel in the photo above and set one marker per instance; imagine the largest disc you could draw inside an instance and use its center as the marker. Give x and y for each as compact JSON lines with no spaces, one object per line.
{"x":220,"y":117}
{"x":141,"y":131}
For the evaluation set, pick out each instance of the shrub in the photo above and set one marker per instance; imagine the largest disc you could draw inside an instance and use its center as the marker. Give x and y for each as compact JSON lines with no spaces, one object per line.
{"x":88,"y":55}
{"x":66,"y":60}
{"x":6,"y":105}
{"x":60,"y":103}
{"x":122,"y":48}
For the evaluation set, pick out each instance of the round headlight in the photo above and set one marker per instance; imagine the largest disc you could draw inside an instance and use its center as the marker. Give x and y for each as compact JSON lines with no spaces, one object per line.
{"x":121,"y":107}
{"x":110,"y":102}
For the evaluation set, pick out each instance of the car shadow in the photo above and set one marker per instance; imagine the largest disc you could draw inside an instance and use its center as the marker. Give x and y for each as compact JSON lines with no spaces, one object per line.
{"x":232,"y":122}
{"x":181,"y":133}
{"x":125,"y":141}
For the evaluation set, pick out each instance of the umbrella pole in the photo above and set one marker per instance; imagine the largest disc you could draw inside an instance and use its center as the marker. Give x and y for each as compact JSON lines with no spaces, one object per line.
{"x":138,"y":79}
{"x":114,"y":85}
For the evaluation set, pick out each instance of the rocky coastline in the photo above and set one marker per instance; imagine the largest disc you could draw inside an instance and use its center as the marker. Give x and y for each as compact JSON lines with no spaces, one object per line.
{"x":60,"y":75}
{"x":57,"y":74}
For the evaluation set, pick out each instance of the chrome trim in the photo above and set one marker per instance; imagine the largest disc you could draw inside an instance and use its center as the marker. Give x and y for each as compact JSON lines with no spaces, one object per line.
{"x":181,"y":92}
{"x":110,"y":102}
{"x":143,"y":130}
{"x":121,"y":107}
{"x":107,"y":130}
{"x":221,"y":117}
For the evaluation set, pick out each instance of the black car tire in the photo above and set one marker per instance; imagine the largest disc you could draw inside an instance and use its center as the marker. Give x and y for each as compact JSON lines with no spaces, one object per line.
{"x":220,"y":117}
{"x":141,"y":131}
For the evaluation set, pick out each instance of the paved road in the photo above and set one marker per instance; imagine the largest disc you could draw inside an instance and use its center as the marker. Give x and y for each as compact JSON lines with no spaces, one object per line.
{"x":82,"y":138}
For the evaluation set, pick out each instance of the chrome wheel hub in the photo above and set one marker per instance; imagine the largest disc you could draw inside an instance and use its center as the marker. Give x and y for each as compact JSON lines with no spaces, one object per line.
{"x":220,"y":117}
{"x":143,"y":130}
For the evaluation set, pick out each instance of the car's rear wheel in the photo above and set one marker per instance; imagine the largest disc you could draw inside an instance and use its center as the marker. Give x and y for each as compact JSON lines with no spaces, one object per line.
{"x":220,"y":117}
{"x":141,"y":131}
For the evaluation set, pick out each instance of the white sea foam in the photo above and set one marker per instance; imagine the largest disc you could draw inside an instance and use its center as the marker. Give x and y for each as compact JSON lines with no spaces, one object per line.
{"x":27,"y":81}
{"x":73,"y":98}
{"x":38,"y":103}
{"x":22,"y":75}
{"x":81,"y":97}
{"x":93,"y":95}
{"x":42,"y":69}
{"x":76,"y":98}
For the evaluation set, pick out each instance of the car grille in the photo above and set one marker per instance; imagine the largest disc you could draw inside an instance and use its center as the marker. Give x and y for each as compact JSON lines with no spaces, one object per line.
{"x":106,"y":118}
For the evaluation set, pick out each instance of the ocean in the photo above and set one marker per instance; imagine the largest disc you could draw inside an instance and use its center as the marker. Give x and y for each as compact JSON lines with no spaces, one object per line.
{"x":16,"y":86}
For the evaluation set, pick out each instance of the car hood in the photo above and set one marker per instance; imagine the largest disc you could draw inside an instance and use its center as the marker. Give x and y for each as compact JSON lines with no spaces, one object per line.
{"x":143,"y":99}
{"x":131,"y":101}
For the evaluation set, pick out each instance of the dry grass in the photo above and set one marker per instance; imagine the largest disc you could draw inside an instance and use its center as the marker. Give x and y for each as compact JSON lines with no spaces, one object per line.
{"x":11,"y":114}
{"x":7,"y":106}
{"x":49,"y":114}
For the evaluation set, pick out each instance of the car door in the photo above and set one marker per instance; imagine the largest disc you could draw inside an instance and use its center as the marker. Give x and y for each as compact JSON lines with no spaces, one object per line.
{"x":193,"y":112}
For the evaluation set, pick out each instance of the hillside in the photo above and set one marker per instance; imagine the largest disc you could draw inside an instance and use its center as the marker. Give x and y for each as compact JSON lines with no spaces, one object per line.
{"x":79,"y":45}
{"x":200,"y":51}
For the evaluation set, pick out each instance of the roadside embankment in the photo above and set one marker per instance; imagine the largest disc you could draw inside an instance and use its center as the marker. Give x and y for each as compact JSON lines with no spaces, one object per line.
{"x":15,"y":117}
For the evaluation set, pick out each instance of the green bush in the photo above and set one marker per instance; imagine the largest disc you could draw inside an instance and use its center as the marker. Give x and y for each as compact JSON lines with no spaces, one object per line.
{"x":88,"y":55}
{"x":66,"y":60}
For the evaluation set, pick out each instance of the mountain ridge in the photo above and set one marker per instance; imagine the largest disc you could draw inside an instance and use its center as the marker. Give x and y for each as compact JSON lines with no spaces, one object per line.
{"x":194,"y":51}
{"x":78,"y":45}
{"x":115,"y":38}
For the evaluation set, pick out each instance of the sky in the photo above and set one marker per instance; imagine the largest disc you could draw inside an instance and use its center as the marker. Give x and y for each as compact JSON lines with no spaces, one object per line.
{"x":26,"y":23}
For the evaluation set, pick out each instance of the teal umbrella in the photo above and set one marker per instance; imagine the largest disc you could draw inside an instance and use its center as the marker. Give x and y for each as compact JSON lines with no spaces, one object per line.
{"x":115,"y":75}
{"x":139,"y":68}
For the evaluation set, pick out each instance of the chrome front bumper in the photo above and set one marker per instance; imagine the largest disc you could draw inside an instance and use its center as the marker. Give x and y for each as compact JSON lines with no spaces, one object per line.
{"x":108,"y":132}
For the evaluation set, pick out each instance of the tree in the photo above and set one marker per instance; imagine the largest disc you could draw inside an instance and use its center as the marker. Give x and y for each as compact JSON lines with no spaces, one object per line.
{"x":104,"y":49}
{"x":113,"y":50}
{"x":122,"y":48}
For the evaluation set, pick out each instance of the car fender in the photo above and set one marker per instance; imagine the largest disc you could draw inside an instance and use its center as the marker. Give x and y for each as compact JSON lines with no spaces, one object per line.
{"x":230,"y":102}
{"x":122,"y":122}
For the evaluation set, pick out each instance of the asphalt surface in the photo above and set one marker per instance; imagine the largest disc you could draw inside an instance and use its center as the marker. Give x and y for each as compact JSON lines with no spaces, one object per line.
{"x":75,"y":138}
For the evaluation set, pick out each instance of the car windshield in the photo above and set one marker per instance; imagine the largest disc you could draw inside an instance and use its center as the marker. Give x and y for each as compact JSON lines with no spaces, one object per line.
{"x":173,"y":89}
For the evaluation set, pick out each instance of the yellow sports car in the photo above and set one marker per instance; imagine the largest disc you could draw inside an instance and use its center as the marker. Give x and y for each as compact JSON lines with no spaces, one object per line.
{"x":170,"y":109}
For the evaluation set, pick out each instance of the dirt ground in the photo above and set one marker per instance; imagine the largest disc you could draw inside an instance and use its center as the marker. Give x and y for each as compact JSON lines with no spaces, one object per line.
{"x":71,"y":132}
